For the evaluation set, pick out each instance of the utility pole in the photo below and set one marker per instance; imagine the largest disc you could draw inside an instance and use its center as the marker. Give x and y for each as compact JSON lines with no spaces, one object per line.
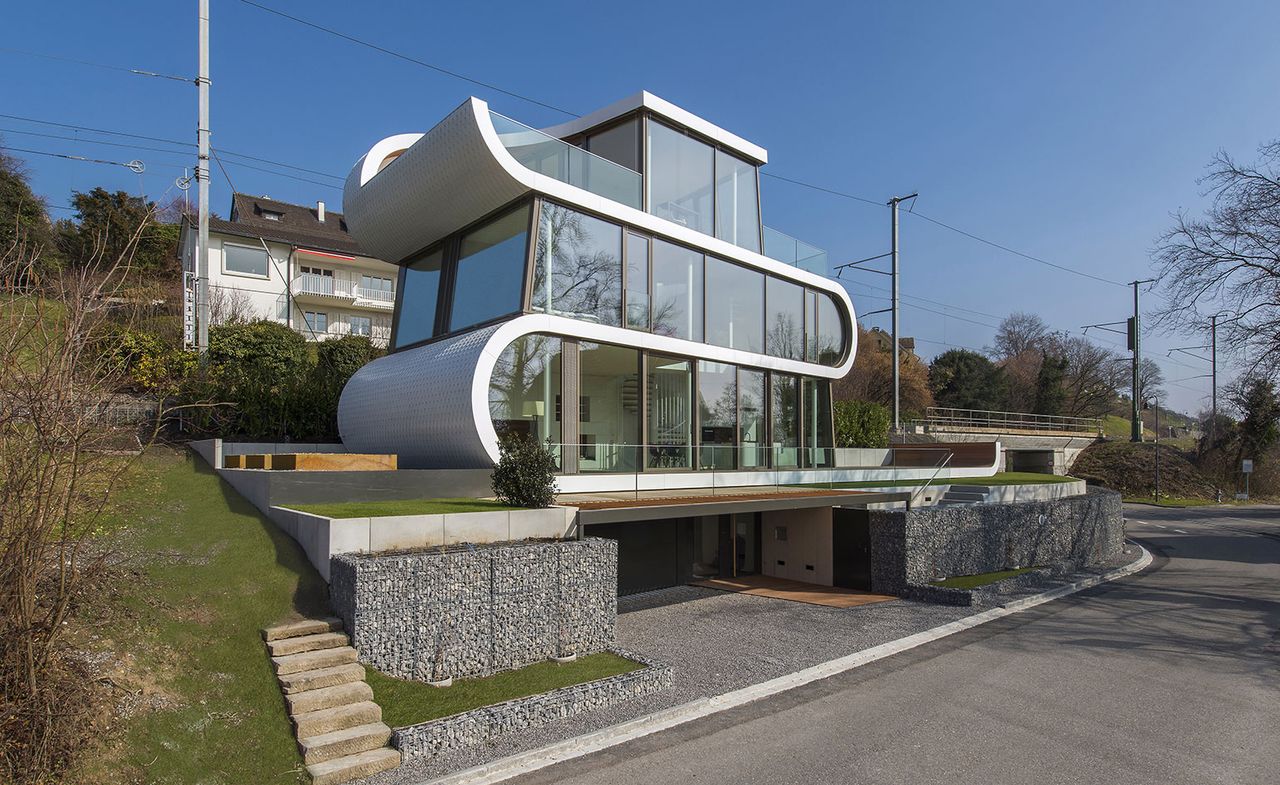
{"x":1157,"y":405}
{"x":897,"y":415}
{"x":202,"y":177}
{"x":1135,"y":343}
{"x":1213,"y":373}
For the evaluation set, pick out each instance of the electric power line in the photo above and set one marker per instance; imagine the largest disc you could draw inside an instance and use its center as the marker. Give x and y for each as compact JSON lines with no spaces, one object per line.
{"x":135,"y":71}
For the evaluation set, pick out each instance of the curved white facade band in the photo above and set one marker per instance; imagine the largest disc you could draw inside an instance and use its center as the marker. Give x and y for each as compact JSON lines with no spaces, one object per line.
{"x":429,"y":401}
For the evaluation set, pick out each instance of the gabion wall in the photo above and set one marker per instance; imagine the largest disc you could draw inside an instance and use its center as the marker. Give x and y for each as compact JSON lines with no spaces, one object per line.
{"x":485,"y":724}
{"x":476,"y":610}
{"x":925,"y":544}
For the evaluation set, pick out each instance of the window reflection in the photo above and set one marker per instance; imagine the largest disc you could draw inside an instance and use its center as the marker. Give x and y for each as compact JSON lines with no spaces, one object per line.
{"x":490,"y":272}
{"x":420,"y":289}
{"x":524,"y":391}
{"x":677,"y":291}
{"x":578,"y":266}
{"x":737,"y":205}
{"x":784,"y":322}
{"x":717,"y":415}
{"x":679,"y":178}
{"x":735,"y":314}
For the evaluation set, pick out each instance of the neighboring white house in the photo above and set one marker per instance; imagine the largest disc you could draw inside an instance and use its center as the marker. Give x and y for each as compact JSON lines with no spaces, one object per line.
{"x":294,"y":264}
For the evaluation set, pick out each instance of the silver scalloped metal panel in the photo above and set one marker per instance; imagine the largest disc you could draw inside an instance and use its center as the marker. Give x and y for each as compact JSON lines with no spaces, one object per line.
{"x":418,"y":404}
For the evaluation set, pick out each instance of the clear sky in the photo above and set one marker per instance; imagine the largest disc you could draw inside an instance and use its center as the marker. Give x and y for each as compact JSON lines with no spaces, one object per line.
{"x":1068,"y":131}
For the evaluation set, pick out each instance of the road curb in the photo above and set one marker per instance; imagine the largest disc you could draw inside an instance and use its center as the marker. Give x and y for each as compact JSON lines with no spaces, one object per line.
{"x":533,"y":760}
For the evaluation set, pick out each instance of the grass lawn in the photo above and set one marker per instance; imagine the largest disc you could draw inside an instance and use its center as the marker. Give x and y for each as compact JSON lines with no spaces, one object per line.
{"x":1000,"y":478}
{"x":406,"y":507}
{"x":410,"y":702}
{"x":1174,"y":501}
{"x":203,"y":573}
{"x":974,"y":581}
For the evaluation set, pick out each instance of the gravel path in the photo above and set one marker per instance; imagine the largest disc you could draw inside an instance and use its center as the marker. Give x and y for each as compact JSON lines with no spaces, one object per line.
{"x":718,"y":641}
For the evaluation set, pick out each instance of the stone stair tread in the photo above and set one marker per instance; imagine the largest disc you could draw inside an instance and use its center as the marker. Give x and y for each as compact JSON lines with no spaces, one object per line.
{"x":311,"y":660}
{"x":350,"y":767}
{"x":328,"y":697}
{"x":297,"y":629}
{"x":314,"y":723}
{"x":316,"y":678}
{"x":301,"y":643}
{"x":347,"y":741}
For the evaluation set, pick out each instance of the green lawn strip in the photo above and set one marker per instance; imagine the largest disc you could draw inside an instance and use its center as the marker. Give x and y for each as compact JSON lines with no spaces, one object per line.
{"x":213,"y":572}
{"x":405,"y":507}
{"x":1175,"y":502}
{"x":974,"y":581}
{"x":411,"y":702}
{"x":1000,"y":478}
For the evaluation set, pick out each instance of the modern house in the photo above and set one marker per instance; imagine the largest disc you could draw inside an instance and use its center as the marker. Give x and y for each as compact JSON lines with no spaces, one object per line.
{"x":294,"y":264}
{"x":608,"y":286}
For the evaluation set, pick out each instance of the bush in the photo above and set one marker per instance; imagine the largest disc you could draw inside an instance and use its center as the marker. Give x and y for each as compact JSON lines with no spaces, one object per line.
{"x":262,"y":369}
{"x":861,"y":424}
{"x":525,"y":475}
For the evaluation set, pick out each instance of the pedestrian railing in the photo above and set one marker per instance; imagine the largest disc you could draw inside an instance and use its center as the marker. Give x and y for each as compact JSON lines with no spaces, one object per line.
{"x":938,"y":418}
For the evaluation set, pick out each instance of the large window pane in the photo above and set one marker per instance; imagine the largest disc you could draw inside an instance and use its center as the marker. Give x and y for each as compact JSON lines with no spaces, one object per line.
{"x":679,"y":178}
{"x":785,"y":320}
{"x":524,"y":391}
{"x":620,"y":144}
{"x":578,"y":266}
{"x":737,"y":208}
{"x":677,"y":291}
{"x":637,"y":297}
{"x":810,"y":326}
{"x":784,"y":419}
{"x":669,"y":387}
{"x":420,"y":287}
{"x":490,"y":277}
{"x":819,"y":438}
{"x":755,"y":449}
{"x":609,"y":409}
{"x":735,"y":312}
{"x":245,"y":260}
{"x":717,"y":415}
{"x":830,"y":331}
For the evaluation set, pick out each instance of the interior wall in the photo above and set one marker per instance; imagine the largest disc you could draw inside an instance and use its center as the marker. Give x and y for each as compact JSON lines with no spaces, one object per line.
{"x":807,"y":545}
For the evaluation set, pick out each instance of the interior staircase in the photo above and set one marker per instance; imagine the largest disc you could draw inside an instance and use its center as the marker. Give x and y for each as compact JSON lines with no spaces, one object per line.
{"x":338,"y":726}
{"x":959,"y":495}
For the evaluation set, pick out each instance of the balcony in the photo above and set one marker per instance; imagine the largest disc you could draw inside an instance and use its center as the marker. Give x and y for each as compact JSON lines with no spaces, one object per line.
{"x":797,"y":253}
{"x":341,"y":287}
{"x":562,"y":161}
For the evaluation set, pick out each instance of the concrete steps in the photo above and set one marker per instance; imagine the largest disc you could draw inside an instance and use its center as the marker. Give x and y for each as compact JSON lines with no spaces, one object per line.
{"x":958,"y":495}
{"x":338,"y":726}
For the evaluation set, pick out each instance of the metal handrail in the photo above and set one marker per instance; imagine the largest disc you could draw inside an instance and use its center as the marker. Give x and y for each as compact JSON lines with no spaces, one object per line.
{"x":932,"y":477}
{"x":986,"y":418}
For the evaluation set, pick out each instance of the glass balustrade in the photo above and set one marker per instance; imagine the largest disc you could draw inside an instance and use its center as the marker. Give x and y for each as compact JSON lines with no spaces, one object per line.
{"x":798,"y":253}
{"x":554,"y":158}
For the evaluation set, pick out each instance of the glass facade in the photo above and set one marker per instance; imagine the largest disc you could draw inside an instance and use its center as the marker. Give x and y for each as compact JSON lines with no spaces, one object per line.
{"x":609,"y":408}
{"x":420,"y":291}
{"x":830,"y":331}
{"x":737,"y":202}
{"x":679,"y":178}
{"x":677,"y":291}
{"x":578,"y":266}
{"x":637,"y":294}
{"x":675,"y":414}
{"x":669,"y":412}
{"x":735,"y":314}
{"x":525,"y":391}
{"x":489,"y":274}
{"x":784,"y":319}
{"x":619,"y":143}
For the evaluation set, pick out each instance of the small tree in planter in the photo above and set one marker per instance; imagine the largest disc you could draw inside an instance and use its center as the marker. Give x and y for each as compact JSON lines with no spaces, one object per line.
{"x":525,"y":475}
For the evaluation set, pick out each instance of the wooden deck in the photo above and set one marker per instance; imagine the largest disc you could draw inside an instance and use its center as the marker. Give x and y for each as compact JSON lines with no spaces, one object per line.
{"x":795,"y":591}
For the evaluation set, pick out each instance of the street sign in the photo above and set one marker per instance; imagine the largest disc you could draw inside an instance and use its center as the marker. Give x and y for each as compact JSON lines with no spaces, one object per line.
{"x":1246,"y":466}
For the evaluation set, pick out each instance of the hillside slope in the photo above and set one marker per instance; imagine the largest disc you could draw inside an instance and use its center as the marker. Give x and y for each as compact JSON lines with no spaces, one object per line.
{"x":1129,"y":467}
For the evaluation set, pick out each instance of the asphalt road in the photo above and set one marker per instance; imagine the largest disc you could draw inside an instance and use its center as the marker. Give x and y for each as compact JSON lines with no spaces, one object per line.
{"x":1169,"y":676}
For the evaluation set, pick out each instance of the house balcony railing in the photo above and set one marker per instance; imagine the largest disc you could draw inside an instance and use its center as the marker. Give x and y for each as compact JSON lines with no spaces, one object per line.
{"x":562,"y":161}
{"x":376,"y":295}
{"x":342,"y":286}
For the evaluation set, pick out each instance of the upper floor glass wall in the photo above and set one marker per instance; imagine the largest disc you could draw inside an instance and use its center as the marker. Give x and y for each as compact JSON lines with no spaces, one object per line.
{"x":420,"y":284}
{"x":555,"y":158}
{"x":737,"y":202}
{"x":578,"y":267}
{"x":679,"y":178}
{"x":619,"y":143}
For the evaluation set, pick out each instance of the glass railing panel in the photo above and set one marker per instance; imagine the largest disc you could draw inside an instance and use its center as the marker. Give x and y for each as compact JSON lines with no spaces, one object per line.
{"x":787,"y":249}
{"x":562,"y":161}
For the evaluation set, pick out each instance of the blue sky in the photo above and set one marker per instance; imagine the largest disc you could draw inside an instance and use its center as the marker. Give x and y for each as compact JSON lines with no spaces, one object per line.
{"x":1067,"y":131}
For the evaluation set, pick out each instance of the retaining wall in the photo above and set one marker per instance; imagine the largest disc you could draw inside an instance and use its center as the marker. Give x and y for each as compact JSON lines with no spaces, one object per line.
{"x":486,"y":724}
{"x":914,"y":547}
{"x":473,"y":611}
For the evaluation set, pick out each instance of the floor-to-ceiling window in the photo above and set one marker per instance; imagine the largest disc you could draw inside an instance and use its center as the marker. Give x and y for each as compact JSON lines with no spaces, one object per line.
{"x":619,"y":143}
{"x":419,"y":292}
{"x":830,"y":343}
{"x":637,"y":285}
{"x":754,"y":452}
{"x":784,"y":419}
{"x":717,"y":415}
{"x":578,"y":266}
{"x":818,"y":443}
{"x":489,"y":275}
{"x":737,"y":205}
{"x":735,"y":311}
{"x":680,"y":177}
{"x":608,"y":408}
{"x":524,"y":391}
{"x":669,"y":412}
{"x":677,"y":291}
{"x":784,"y":319}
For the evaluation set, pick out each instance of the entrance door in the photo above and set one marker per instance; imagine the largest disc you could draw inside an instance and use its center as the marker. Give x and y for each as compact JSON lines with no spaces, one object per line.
{"x":851,"y":548}
{"x":746,"y":543}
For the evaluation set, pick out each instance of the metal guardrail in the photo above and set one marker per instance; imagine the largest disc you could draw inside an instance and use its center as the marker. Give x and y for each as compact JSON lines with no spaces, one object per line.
{"x":943,"y":418}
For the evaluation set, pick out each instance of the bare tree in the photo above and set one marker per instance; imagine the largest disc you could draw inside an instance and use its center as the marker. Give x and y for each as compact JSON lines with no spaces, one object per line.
{"x":1229,"y":259}
{"x":1094,"y":374}
{"x":229,"y":306}
{"x":1019,"y":333}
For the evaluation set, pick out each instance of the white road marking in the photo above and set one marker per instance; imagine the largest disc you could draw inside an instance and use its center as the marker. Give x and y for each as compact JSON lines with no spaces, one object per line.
{"x":1180,"y":531}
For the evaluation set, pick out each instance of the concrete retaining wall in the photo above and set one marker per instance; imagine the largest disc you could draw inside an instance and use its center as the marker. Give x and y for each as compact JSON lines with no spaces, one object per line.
{"x":473,"y":611}
{"x":926,"y":544}
{"x":486,"y":724}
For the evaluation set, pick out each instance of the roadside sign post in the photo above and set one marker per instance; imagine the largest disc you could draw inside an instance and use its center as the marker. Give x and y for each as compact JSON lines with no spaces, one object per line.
{"x":1246,"y":468}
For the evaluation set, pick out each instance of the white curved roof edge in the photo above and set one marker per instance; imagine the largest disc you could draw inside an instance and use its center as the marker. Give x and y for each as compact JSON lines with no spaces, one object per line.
{"x":529,"y":324}
{"x":662,"y":107}
{"x":371,"y":162}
